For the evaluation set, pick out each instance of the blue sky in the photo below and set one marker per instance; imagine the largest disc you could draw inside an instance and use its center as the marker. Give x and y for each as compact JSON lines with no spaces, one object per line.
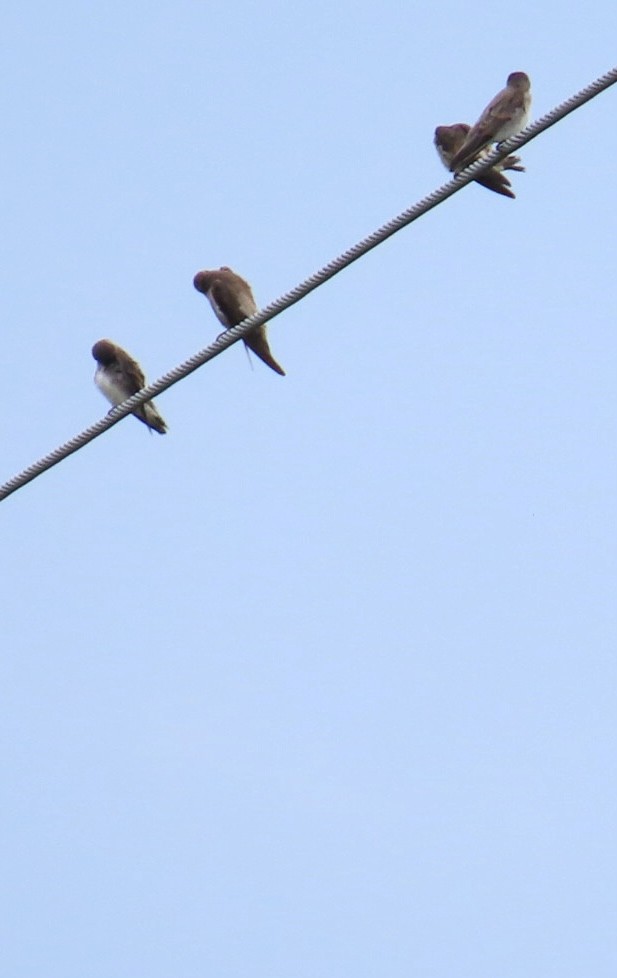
{"x":322,"y":683}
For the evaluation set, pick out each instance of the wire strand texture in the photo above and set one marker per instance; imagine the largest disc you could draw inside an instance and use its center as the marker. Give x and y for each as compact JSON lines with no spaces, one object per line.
{"x":314,"y":281}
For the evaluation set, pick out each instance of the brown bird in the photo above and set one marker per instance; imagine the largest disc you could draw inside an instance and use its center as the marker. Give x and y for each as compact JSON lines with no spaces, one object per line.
{"x":448,"y":141}
{"x":232,"y":300}
{"x":506,"y":115}
{"x":118,"y":377}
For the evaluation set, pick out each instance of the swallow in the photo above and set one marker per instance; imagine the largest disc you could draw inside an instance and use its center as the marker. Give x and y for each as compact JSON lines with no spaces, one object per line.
{"x":506,"y":115}
{"x":118,"y":377}
{"x":448,"y":141}
{"x":232,"y":300}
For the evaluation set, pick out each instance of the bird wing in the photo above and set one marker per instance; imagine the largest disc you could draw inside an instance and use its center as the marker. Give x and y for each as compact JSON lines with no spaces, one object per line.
{"x":232,"y":302}
{"x":495,"y":115}
{"x":129,"y":371}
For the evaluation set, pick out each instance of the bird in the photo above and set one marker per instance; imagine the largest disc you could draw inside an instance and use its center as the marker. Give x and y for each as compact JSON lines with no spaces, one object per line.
{"x":448,"y":141}
{"x":118,"y":377}
{"x":506,"y":115}
{"x":232,"y":300}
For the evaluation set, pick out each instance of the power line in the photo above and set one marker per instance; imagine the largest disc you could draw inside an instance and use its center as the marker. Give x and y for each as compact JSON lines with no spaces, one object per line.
{"x":308,"y":285}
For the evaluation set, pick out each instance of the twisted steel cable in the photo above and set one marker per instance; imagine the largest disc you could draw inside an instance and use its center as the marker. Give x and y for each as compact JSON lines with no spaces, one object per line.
{"x":309,"y":284}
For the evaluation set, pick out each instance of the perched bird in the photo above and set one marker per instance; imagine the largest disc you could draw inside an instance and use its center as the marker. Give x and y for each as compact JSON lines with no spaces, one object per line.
{"x":448,"y":141}
{"x":232,"y":300}
{"x":118,"y":377}
{"x":506,"y":115}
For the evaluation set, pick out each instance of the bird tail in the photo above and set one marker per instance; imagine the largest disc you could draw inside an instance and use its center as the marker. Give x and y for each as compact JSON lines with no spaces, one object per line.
{"x":512,"y":163}
{"x":150,"y":416}
{"x":257,"y":342}
{"x":496,"y":181}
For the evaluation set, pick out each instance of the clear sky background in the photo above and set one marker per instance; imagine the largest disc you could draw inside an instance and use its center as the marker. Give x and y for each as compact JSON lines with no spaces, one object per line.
{"x":323,"y":683}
